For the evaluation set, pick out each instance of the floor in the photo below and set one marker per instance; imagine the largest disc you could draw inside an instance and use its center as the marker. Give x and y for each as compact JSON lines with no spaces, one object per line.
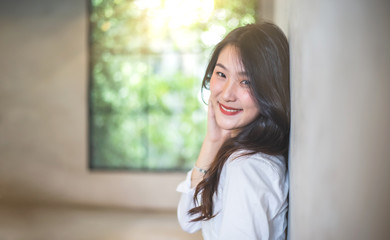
{"x":76,"y":223}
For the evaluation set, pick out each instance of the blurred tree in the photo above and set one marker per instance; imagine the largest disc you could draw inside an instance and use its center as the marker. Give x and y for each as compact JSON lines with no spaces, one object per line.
{"x":147,"y":62}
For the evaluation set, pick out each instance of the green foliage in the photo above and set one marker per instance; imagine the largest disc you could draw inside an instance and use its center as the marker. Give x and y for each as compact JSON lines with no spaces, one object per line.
{"x":145,"y":104}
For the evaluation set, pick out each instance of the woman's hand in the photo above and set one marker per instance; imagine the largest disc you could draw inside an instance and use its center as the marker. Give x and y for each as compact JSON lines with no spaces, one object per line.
{"x":215,"y":134}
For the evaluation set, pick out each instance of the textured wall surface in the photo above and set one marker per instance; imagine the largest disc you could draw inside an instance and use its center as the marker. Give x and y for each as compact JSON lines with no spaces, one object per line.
{"x":340,"y":154}
{"x":43,"y":114}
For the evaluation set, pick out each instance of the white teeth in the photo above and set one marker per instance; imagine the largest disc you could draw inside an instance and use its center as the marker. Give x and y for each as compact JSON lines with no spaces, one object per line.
{"x":229,"y":110}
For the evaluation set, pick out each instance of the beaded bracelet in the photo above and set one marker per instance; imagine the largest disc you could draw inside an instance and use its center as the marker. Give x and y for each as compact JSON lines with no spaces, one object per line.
{"x":200,"y":169}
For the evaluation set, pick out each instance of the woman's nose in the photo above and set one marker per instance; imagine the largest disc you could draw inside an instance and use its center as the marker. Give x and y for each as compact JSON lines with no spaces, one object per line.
{"x":229,"y":91}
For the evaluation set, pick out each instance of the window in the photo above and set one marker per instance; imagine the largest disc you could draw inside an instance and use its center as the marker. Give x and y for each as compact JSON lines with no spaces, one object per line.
{"x":147,"y":60}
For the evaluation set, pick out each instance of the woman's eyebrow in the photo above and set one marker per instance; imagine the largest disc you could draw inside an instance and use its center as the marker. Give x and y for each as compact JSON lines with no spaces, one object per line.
{"x":221,"y":65}
{"x":225,"y":68}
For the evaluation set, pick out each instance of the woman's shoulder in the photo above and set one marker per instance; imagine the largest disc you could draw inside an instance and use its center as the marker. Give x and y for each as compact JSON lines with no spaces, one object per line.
{"x":259,"y":162}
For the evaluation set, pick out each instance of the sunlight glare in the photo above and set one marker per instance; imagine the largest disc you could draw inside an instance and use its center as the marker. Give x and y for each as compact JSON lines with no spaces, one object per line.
{"x":186,"y":12}
{"x":213,"y":35}
{"x":142,"y":4}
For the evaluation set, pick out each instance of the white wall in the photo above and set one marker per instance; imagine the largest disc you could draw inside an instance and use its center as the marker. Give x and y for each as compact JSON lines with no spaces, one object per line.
{"x":340,"y":152}
{"x":43,"y":114}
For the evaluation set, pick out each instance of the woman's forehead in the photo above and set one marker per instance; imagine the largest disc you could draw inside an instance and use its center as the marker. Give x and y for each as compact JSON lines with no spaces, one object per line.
{"x":230,"y":59}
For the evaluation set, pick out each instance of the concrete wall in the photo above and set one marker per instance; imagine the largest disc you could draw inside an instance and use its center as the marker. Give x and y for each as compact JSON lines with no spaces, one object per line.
{"x":340,"y":152}
{"x":43,"y":114}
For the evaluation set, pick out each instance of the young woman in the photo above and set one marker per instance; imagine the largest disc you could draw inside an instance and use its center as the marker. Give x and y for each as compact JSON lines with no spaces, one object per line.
{"x":238,"y":188}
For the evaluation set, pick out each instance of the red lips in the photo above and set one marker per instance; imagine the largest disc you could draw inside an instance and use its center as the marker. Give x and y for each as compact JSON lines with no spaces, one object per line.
{"x":228,"y":110}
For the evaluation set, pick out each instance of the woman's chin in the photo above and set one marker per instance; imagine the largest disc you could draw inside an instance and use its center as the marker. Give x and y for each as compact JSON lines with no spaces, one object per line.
{"x":226,"y":125}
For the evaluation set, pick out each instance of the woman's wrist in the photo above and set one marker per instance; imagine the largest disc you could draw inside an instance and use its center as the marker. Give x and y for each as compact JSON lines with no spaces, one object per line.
{"x":201,"y":170}
{"x":215,"y":140}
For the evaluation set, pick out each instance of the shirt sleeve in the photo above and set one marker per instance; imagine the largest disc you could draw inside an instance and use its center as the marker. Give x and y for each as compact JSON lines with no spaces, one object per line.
{"x":185,"y":204}
{"x":250,"y":195}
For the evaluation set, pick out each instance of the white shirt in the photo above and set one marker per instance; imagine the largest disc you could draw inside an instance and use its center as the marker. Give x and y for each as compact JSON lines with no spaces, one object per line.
{"x":251,"y":202}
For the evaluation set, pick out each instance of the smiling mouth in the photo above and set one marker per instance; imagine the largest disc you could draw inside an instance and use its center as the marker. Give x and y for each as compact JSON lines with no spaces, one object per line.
{"x":228,"y":110}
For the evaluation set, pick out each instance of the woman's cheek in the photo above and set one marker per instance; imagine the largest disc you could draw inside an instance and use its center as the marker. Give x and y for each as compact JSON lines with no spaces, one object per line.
{"x":214,"y":86}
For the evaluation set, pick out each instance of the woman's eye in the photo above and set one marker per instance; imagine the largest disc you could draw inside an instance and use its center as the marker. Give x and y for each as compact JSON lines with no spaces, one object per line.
{"x":221,"y":74}
{"x":245,"y":82}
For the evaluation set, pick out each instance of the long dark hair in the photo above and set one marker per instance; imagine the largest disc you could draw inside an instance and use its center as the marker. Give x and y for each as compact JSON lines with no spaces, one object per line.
{"x":264,"y":53}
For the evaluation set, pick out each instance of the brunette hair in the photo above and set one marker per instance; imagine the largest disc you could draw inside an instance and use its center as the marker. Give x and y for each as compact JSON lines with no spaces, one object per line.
{"x":264,"y":53}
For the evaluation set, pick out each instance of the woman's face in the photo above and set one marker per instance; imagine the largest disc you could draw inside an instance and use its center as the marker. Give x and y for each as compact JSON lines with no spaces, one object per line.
{"x":230,"y":95}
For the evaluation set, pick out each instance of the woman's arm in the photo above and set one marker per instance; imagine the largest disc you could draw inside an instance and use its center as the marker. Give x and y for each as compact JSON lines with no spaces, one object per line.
{"x":214,"y":139}
{"x":185,"y":204}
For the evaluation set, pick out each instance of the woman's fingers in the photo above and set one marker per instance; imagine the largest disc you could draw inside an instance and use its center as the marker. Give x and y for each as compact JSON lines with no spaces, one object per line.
{"x":211,"y":115}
